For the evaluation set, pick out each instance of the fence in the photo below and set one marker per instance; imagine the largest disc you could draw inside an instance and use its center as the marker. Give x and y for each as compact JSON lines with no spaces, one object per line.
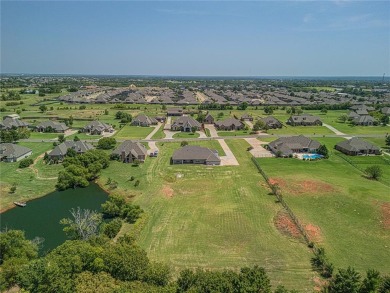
{"x":277,"y":193}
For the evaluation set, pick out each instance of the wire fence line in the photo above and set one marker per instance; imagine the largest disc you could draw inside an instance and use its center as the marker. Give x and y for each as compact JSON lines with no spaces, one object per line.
{"x":276,"y":191}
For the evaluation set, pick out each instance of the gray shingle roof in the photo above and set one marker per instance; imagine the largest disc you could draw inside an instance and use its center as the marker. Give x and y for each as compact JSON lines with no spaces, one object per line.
{"x":8,"y":123}
{"x":193,"y":152}
{"x":129,"y":146}
{"x":11,"y":150}
{"x":229,"y":122}
{"x":355,"y":144}
{"x":143,"y":119}
{"x":58,"y":126}
{"x":79,"y":146}
{"x":186,"y":120}
{"x":287,"y":144}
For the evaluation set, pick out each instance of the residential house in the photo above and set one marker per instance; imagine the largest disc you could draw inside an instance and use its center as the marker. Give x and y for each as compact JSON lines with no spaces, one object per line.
{"x":356,"y":146}
{"x":362,"y":107}
{"x":97,"y":127}
{"x":160,"y":119}
{"x":10,"y":123}
{"x":272,"y":122}
{"x":286,"y":146}
{"x":246,"y":117}
{"x":229,"y":124}
{"x":209,"y":119}
{"x":186,"y":124}
{"x":143,"y":120}
{"x":174,"y":112}
{"x":129,"y":151}
{"x":192,"y":154}
{"x":363,"y":120}
{"x":59,"y":152}
{"x":304,"y":120}
{"x":386,"y":111}
{"x":51,"y":126}
{"x":10,"y":152}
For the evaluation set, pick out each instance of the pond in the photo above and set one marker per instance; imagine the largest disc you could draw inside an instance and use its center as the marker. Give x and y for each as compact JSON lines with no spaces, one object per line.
{"x":41,"y":217}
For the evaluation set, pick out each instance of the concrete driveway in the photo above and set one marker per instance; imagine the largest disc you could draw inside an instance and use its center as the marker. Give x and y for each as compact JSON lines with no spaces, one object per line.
{"x":229,"y":159}
{"x":258,"y":150}
{"x":154,"y":131}
{"x":169,"y":134}
{"x":213,"y":131}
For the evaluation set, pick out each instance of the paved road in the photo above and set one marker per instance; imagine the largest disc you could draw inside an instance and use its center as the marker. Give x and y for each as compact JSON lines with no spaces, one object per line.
{"x":331,"y":128}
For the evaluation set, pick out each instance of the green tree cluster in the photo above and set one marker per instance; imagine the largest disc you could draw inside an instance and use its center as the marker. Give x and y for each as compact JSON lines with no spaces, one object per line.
{"x":123,"y":116}
{"x":117,"y":207}
{"x":81,"y":169}
{"x":106,"y":143}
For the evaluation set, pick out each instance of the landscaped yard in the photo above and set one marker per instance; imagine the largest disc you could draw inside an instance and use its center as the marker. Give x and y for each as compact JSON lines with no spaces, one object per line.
{"x":343,"y":211}
{"x":186,"y":135}
{"x":133,"y":132}
{"x":211,"y":217}
{"x":234,"y":133}
{"x":28,"y":186}
{"x":43,"y":135}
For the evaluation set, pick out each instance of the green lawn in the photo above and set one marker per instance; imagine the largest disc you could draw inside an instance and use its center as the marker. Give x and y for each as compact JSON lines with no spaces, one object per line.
{"x":28,"y":186}
{"x":346,"y":207}
{"x":234,"y":133}
{"x":186,"y":135}
{"x":43,"y":135}
{"x":160,"y":133}
{"x":83,"y":136}
{"x":133,"y":132}
{"x":211,"y":217}
{"x":296,"y":130}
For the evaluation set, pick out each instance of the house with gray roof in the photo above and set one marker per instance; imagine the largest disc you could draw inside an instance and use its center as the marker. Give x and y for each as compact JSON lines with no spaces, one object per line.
{"x":229,"y":124}
{"x":271,"y":122}
{"x":129,"y":151}
{"x":386,"y":111}
{"x":60,"y":150}
{"x":97,"y":128}
{"x":246,"y":117}
{"x":357,"y":147}
{"x":286,"y":146}
{"x":192,"y":154}
{"x":304,"y":120}
{"x":209,"y":119}
{"x":174,"y":112}
{"x":11,"y":122}
{"x":363,"y":120}
{"x":51,"y":126}
{"x":143,"y":120}
{"x":185,"y":123}
{"x":10,"y":152}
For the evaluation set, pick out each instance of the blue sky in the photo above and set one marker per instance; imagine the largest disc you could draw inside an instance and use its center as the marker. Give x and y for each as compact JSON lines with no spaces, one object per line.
{"x":230,"y":38}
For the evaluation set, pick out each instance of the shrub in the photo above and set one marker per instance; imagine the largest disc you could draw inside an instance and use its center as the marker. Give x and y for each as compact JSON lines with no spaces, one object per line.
{"x":25,"y":163}
{"x":136,"y":183}
{"x":373,"y":172}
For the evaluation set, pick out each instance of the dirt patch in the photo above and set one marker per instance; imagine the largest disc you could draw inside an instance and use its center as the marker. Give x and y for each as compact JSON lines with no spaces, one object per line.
{"x":314,"y":232}
{"x":385,"y":210}
{"x":319,"y":284}
{"x":167,"y":191}
{"x":286,"y":225}
{"x":304,"y":186}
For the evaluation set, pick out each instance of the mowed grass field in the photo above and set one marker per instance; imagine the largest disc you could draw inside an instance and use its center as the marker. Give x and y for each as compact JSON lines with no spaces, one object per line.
{"x":212,"y":217}
{"x":28,"y":184}
{"x":133,"y":132}
{"x":343,"y":211}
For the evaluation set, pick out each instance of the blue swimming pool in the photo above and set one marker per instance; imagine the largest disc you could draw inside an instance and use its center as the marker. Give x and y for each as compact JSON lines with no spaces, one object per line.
{"x":312,"y":157}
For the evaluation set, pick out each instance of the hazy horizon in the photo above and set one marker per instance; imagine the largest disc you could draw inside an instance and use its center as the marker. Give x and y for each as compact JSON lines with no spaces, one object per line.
{"x":337,"y":38}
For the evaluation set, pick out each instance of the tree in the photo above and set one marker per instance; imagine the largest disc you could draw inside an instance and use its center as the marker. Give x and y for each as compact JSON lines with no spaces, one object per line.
{"x":106,"y":143}
{"x":324,"y":110}
{"x":242,"y":106}
{"x":258,"y":125}
{"x":371,"y":283}
{"x":343,"y":118}
{"x":345,"y":281}
{"x":194,"y":129}
{"x":184,"y":143}
{"x":76,"y":138}
{"x":157,"y":274}
{"x":112,"y":228}
{"x":13,"y":188}
{"x":87,"y":282}
{"x":13,"y":244}
{"x":26,"y":162}
{"x":106,"y":112}
{"x":385,"y":120}
{"x":84,"y":225}
{"x":43,"y":108}
{"x":373,"y":172}
{"x":388,"y":140}
{"x":61,"y":138}
{"x":323,"y":150}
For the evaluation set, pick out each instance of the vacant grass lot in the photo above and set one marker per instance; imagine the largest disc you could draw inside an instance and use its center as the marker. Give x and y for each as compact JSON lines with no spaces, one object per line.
{"x":133,"y":132}
{"x":234,"y":133}
{"x":211,"y":217}
{"x":28,"y":186}
{"x":344,"y":208}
